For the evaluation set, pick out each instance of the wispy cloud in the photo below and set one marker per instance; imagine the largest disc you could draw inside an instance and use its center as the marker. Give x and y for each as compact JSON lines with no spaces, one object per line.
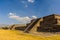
{"x":31,"y":1}
{"x":25,"y":19}
{"x":34,"y":17}
{"x":26,"y":3}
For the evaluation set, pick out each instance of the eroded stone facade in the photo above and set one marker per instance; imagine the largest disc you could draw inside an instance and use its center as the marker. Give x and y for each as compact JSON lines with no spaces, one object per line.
{"x":50,"y":23}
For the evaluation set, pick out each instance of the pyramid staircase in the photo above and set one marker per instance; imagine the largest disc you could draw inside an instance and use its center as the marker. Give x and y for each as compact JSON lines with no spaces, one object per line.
{"x":31,"y":25}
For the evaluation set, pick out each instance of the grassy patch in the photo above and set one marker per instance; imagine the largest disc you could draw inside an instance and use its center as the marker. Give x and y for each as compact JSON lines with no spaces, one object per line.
{"x":18,"y":35}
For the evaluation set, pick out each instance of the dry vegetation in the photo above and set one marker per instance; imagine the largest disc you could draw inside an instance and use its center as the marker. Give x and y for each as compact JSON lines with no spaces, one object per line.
{"x":18,"y":35}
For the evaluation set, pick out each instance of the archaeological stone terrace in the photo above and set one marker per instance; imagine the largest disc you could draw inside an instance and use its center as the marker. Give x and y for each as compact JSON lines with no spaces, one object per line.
{"x":50,"y":23}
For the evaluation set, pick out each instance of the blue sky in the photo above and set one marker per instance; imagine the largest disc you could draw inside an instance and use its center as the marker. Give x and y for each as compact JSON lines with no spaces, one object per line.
{"x":26,"y":9}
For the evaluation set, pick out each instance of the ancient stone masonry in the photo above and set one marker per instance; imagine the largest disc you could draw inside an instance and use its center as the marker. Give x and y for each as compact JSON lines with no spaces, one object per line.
{"x":31,"y":25}
{"x":18,"y":27}
{"x":50,"y":23}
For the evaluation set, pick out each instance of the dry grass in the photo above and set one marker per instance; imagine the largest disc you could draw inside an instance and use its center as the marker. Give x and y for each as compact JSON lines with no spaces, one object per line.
{"x":18,"y":35}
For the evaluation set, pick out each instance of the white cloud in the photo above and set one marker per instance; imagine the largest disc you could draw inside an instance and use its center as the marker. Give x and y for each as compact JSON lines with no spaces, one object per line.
{"x":31,"y":1}
{"x":25,"y":19}
{"x":11,"y":14}
{"x":21,"y":19}
{"x":34,"y":17}
{"x":26,"y":3}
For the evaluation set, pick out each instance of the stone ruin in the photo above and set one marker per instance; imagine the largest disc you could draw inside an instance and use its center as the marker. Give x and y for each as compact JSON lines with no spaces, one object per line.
{"x":50,"y":23}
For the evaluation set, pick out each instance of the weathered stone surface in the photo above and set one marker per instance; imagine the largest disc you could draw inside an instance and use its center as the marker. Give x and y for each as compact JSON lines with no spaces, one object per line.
{"x":50,"y":23}
{"x":18,"y":26}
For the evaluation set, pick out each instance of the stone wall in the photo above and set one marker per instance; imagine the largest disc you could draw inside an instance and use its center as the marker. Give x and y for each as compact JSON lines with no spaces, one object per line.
{"x":50,"y":23}
{"x":18,"y":27}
